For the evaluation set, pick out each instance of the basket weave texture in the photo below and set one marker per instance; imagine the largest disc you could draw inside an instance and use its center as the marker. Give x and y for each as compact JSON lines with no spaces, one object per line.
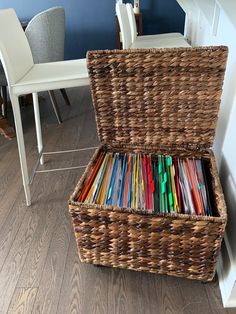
{"x":159,"y":101}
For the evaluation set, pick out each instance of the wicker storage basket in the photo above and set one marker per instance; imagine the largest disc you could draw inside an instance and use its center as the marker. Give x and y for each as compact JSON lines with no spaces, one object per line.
{"x":157,"y":101}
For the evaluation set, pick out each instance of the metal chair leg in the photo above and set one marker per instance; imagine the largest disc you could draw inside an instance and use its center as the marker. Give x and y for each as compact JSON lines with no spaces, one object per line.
{"x":21,"y":147}
{"x":65,"y":96}
{"x":55,"y":106}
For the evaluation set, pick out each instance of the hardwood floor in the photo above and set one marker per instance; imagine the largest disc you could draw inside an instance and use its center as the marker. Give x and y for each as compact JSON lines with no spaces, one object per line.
{"x":40,"y":271}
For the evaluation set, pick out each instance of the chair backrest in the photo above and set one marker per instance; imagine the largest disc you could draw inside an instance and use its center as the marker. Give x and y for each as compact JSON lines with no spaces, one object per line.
{"x":123,"y":20}
{"x":46,"y":35}
{"x":15,"y":52}
{"x":132,"y":21}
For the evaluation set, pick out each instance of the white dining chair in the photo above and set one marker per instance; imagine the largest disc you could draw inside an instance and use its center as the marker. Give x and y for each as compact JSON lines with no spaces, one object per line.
{"x":134,"y":33}
{"x":25,"y":77}
{"x":46,"y":36}
{"x":126,"y":36}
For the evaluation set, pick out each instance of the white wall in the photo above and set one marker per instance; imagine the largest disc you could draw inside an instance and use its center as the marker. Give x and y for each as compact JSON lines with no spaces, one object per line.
{"x":217,"y":28}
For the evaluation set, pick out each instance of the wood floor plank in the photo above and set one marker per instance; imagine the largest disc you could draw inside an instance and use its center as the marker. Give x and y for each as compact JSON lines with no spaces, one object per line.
{"x":94,"y":298}
{"x":73,"y":293}
{"x":8,"y":166}
{"x":117,"y":293}
{"x":144,"y":294}
{"x":131,"y":292}
{"x":5,"y":150}
{"x":15,"y":260}
{"x":11,"y":180}
{"x":172,"y":301}
{"x":34,"y":263}
{"x":47,"y":299}
{"x":10,"y":227}
{"x":52,"y":275}
{"x":22,"y":301}
{"x":195,"y":297}
{"x":15,"y":217}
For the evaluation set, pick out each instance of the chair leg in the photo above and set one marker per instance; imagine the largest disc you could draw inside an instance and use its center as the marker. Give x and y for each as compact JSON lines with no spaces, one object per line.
{"x":55,"y":106}
{"x":38,"y":126}
{"x":65,"y":96}
{"x":4,"y":97}
{"x":21,"y":147}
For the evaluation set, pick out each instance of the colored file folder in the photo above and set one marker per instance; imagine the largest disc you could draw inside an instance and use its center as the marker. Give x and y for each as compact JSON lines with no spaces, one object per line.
{"x":155,"y":184}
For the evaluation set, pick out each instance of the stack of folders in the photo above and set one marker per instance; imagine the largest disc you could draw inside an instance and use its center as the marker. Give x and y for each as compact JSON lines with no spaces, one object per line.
{"x":156,"y":184}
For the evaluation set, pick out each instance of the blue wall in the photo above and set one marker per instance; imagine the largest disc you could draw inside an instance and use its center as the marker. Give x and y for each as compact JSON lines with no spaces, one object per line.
{"x":90,"y":24}
{"x":162,"y":16}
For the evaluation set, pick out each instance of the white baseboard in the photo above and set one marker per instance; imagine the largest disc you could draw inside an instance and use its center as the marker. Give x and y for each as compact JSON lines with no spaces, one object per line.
{"x":226,"y":270}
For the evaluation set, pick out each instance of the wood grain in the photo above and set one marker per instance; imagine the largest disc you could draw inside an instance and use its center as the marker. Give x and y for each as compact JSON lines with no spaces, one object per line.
{"x":34,"y":263}
{"x":194,"y":296}
{"x":15,"y":218}
{"x":47,"y":299}
{"x":14,"y":262}
{"x":52,"y":275}
{"x":10,"y":177}
{"x":73,"y":292}
{"x":22,"y":301}
{"x":84,"y":288}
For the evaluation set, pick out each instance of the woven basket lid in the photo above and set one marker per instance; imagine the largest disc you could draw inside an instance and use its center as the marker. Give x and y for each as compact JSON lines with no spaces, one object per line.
{"x":157,"y":96}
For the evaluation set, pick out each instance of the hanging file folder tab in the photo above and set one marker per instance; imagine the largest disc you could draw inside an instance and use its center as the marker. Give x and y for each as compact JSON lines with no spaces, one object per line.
{"x":159,"y":166}
{"x":163,"y":187}
{"x":169,"y":160}
{"x":165,"y":178}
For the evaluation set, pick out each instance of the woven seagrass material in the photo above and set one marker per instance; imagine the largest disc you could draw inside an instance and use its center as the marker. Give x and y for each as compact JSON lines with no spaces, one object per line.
{"x":158,"y":96}
{"x":143,"y":104}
